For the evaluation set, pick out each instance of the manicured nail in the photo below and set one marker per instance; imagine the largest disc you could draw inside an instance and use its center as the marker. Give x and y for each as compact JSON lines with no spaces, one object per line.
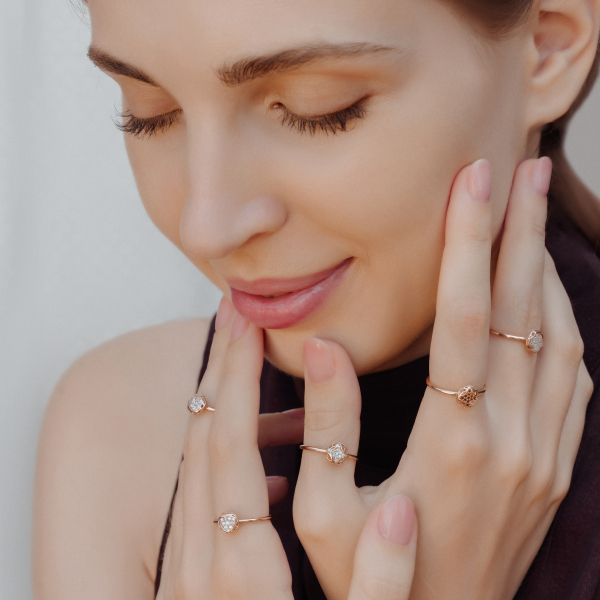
{"x":224,"y":313}
{"x":319,"y":364}
{"x":480,"y":181}
{"x":540,"y":176}
{"x":397,"y":520}
{"x":238,"y":327}
{"x":295,"y":413}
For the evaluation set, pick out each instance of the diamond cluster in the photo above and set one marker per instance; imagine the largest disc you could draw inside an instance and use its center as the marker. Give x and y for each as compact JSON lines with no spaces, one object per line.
{"x":197,"y":404}
{"x":337,"y":453}
{"x":535,"y":341}
{"x":228,"y":522}
{"x":467,"y":396}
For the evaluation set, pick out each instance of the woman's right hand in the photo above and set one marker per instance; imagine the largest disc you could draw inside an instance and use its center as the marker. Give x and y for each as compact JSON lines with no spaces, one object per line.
{"x":222,"y":471}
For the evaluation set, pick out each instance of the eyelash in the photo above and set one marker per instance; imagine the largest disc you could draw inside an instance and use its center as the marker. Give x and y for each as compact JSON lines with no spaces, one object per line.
{"x":151,"y":126}
{"x":330,"y":123}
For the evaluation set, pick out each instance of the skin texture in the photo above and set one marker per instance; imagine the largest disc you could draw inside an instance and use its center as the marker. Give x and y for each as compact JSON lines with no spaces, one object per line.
{"x":243,"y":196}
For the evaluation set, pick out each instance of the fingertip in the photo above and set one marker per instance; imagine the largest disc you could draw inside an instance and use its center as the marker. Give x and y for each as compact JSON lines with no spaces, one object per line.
{"x":238,"y":327}
{"x":224,"y":314}
{"x":319,"y":361}
{"x":277,"y":487}
{"x":479,"y":181}
{"x":397,"y":520}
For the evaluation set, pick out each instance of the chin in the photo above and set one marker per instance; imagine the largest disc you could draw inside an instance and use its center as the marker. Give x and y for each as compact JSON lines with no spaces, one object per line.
{"x":286,"y":351}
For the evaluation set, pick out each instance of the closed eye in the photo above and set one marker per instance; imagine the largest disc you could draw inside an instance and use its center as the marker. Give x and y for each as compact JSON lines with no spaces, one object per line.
{"x":146,"y":127}
{"x":334,"y":122}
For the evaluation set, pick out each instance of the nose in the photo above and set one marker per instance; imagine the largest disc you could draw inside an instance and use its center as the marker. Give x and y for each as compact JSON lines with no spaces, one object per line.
{"x":228,"y":198}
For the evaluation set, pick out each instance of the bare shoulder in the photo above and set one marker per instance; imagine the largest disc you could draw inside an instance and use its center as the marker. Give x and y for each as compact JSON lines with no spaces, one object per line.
{"x":108,"y":459}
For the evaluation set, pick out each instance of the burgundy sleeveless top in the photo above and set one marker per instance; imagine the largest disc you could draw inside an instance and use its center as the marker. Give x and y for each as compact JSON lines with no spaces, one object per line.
{"x":567,"y":566}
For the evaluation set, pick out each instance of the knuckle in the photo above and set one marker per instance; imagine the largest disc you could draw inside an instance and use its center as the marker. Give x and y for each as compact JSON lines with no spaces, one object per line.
{"x":325,"y":416}
{"x":477,"y":231}
{"x":515,"y":468}
{"x":561,"y":488}
{"x":313,"y":521}
{"x":587,"y":385}
{"x":222,"y":449}
{"x":379,"y":584}
{"x":469,"y":319}
{"x":470,"y":450}
{"x":526,"y":310}
{"x":571,"y":348}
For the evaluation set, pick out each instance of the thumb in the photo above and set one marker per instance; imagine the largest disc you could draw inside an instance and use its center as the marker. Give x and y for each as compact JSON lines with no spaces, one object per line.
{"x":384,"y":562}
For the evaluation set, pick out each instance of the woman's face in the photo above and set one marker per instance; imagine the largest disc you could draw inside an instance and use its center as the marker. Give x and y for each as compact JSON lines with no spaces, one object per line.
{"x":257,"y":190}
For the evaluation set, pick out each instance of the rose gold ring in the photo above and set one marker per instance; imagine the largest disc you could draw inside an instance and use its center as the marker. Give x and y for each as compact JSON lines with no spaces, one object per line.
{"x":197,"y":404}
{"x":336,"y":453}
{"x":467,"y":396}
{"x":533,"y":342}
{"x":228,"y":522}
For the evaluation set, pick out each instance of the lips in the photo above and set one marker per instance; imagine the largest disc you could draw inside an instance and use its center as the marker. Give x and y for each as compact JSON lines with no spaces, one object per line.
{"x":291,"y":301}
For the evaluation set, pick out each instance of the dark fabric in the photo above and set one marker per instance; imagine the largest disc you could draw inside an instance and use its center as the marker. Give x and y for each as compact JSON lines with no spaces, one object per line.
{"x":567,"y":566}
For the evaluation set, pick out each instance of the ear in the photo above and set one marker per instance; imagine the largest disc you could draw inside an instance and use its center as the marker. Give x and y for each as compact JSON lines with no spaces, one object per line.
{"x":563,"y":42}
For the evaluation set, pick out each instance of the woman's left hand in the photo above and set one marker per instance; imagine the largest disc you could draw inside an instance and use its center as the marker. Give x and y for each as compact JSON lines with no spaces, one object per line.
{"x":486,"y":480}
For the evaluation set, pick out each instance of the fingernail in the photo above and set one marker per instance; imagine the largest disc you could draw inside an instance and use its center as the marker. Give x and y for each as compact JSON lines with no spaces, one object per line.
{"x":224,"y":313}
{"x":480,"y":181}
{"x":295,"y":413}
{"x":541,"y":174}
{"x":319,"y":364}
{"x":238,"y":327}
{"x":397,"y":520}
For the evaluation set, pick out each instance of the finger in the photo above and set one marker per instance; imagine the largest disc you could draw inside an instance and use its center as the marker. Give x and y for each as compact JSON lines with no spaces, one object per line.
{"x":461,"y":330}
{"x":518,"y":284}
{"x":557,"y":365}
{"x":193,"y":501}
{"x":236,"y":466}
{"x":277,"y":488}
{"x":384,"y":562}
{"x":332,"y":416}
{"x":281,"y":429}
{"x":210,"y":381}
{"x":572,"y":432}
{"x":238,"y":477}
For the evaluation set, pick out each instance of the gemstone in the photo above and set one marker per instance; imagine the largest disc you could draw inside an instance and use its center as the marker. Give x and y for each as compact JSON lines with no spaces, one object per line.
{"x":337,"y":453}
{"x":467,"y":396}
{"x":535,"y":341}
{"x":197,"y":404}
{"x":228,"y":522}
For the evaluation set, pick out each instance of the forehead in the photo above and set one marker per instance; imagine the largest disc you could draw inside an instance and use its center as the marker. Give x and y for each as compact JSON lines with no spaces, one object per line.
{"x":201,"y":35}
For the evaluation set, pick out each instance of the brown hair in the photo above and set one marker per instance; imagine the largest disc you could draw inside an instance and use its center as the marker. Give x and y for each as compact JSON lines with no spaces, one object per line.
{"x":568,"y":194}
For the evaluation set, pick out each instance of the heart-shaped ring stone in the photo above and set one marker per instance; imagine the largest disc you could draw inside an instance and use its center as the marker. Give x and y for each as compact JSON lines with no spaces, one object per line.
{"x":228,"y":522}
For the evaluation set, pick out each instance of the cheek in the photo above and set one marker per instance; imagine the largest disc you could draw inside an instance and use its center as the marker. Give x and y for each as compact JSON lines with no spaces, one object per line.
{"x":160,"y":177}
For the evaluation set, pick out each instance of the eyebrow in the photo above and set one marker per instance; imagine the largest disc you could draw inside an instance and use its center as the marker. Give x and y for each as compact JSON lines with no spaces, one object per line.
{"x":248,"y":69}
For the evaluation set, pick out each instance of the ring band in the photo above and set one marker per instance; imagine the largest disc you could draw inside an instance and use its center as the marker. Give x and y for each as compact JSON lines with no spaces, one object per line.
{"x":197,"y":404}
{"x":228,"y":522}
{"x":467,"y":396}
{"x":533,"y":342}
{"x":336,"y":453}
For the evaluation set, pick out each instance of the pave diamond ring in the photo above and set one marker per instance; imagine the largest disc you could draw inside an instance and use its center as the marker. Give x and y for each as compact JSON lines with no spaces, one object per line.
{"x":228,"y":522}
{"x":197,"y":404}
{"x":533,"y":342}
{"x":467,"y":396}
{"x":336,"y":453}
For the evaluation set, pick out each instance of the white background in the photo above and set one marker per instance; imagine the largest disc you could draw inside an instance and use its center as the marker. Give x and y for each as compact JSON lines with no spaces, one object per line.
{"x":80,"y":262}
